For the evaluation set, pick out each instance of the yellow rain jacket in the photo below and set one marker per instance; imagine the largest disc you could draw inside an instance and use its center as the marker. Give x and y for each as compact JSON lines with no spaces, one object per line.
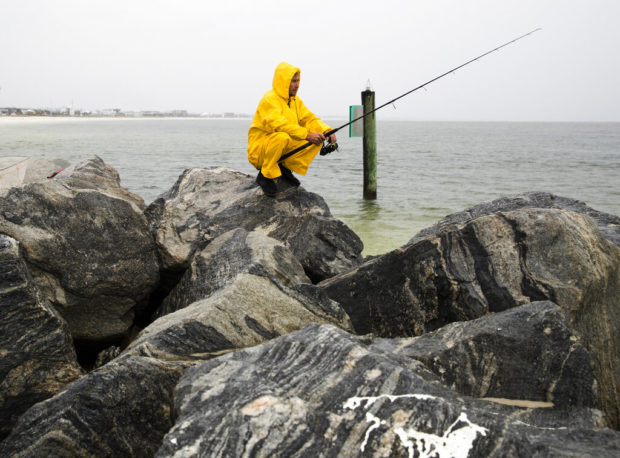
{"x":280,"y":125}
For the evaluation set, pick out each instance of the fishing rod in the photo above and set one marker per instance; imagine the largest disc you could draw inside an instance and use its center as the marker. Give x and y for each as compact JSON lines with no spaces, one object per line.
{"x":329,"y":147}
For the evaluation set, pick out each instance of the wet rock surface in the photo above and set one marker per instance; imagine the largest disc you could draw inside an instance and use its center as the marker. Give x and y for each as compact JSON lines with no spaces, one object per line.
{"x":608,"y":224}
{"x":527,"y":352}
{"x":87,"y":246}
{"x":204,"y":204}
{"x":355,"y":399}
{"x":230,"y":254}
{"x":468,"y":355}
{"x":489,"y":264}
{"x":121,"y":409}
{"x":246,"y":312}
{"x":37,"y":358}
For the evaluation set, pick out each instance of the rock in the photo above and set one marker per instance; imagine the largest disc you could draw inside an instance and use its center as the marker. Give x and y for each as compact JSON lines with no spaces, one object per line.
{"x":88,"y":247}
{"x":490,"y":264}
{"x":323,"y":392}
{"x":36,"y":351}
{"x":525,"y":353}
{"x":121,"y":409}
{"x":94,"y":174}
{"x":39,"y":169}
{"x":204,"y":204}
{"x":608,"y":224}
{"x":248,"y":311}
{"x":228,"y":255}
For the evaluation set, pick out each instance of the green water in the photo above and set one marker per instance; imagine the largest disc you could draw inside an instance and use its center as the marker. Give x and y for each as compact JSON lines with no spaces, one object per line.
{"x":426,"y":170}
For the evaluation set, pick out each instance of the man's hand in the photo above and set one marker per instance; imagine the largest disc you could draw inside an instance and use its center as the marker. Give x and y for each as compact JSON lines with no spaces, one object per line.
{"x":315,"y":138}
{"x":332,"y":138}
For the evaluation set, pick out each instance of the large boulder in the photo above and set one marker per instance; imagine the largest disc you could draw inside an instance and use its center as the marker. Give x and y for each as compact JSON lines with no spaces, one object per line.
{"x":249,"y":310}
{"x":206,"y":203}
{"x":489,"y":264}
{"x":323,"y":392}
{"x":227,"y":256}
{"x":525,"y":353}
{"x":36,"y":351}
{"x":608,"y":224}
{"x":87,"y":245}
{"x":122,"y":409}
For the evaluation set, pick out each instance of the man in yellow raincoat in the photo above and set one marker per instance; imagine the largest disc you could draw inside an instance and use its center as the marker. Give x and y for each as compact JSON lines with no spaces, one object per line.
{"x":282,"y":123}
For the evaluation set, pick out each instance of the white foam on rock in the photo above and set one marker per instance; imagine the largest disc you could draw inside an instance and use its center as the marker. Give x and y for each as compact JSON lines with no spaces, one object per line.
{"x":455,"y":442}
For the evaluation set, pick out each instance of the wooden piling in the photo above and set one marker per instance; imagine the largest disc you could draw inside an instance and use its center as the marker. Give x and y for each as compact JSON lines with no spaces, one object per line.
{"x":369,"y":146}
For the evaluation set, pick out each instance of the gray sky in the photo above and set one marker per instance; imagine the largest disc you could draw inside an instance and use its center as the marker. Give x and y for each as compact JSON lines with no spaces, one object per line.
{"x":207,"y":56}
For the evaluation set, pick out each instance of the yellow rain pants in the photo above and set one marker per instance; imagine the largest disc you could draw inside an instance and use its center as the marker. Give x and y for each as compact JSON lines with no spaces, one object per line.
{"x":281,"y":124}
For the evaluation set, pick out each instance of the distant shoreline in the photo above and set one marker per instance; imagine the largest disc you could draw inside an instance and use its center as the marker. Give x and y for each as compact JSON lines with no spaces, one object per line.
{"x":17,"y":118}
{"x":116,"y":118}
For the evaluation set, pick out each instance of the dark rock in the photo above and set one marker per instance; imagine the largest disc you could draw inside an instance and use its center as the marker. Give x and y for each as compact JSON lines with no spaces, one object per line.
{"x":523,"y":353}
{"x":493,"y":263}
{"x":204,"y":204}
{"x":247,"y":311}
{"x":608,"y":224}
{"x":87,"y":245}
{"x":121,"y":409}
{"x":107,"y":355}
{"x":37,"y":358}
{"x":323,"y":392}
{"x":228,"y":255}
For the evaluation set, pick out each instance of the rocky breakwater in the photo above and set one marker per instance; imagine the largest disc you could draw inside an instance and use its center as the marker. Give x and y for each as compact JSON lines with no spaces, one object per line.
{"x":87,"y":246}
{"x":240,"y":289}
{"x":206,"y":203}
{"x":248,"y":356}
{"x":493,"y":257}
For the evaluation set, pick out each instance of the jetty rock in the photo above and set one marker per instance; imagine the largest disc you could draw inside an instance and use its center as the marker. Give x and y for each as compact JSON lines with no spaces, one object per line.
{"x":87,"y":245}
{"x":121,"y":409}
{"x":608,"y":224}
{"x":248,"y":311}
{"x":463,"y":269}
{"x":36,"y":349}
{"x":205,"y":203}
{"x":228,"y":255}
{"x":324,"y":392}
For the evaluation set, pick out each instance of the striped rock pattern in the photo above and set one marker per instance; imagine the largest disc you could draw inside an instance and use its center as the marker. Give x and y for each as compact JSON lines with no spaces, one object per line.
{"x":204,"y":204}
{"x":87,"y":246}
{"x":527,"y":352}
{"x":323,"y":392}
{"x":493,"y":263}
{"x":122,"y":409}
{"x":246,"y":312}
{"x":228,"y":255}
{"x":37,"y":358}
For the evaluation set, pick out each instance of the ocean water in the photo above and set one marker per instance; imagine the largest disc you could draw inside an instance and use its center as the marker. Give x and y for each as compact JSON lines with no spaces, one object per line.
{"x":426,"y":170}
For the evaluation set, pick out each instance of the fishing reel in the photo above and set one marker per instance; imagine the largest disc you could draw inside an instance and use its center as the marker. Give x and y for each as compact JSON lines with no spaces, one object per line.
{"x":328,"y":148}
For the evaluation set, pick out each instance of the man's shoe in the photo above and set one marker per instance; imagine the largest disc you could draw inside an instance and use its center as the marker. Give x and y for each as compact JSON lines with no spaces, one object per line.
{"x":268,"y":185}
{"x":288,"y":176}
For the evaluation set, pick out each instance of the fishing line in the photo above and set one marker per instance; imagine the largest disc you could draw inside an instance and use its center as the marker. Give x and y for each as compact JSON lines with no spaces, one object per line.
{"x":333,"y":131}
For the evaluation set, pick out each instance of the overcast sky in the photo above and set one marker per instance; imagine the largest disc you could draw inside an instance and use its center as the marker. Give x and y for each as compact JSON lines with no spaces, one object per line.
{"x":208,"y":56}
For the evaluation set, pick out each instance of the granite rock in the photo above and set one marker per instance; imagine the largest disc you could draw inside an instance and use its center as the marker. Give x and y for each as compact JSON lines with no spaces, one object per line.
{"x":608,"y":224}
{"x":247,"y":311}
{"x":493,"y":263}
{"x":36,"y":352}
{"x":87,"y":245}
{"x":121,"y":409}
{"x":204,"y":204}
{"x":323,"y":392}
{"x":224,"y":258}
{"x":524,"y":353}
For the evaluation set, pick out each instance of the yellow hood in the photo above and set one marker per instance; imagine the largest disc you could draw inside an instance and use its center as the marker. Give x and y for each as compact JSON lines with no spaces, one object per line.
{"x":282,"y":79}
